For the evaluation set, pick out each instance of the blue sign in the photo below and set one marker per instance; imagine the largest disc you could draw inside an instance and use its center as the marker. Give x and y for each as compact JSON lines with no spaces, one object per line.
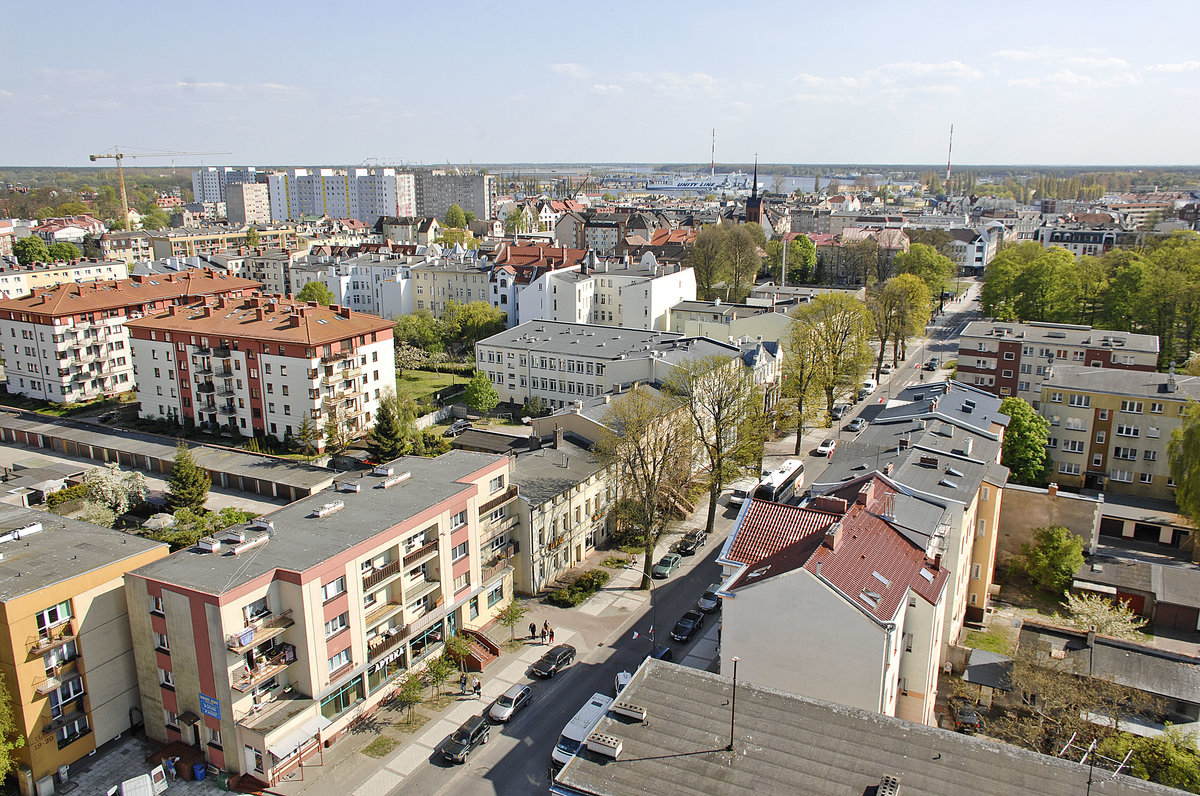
{"x":210,"y":707}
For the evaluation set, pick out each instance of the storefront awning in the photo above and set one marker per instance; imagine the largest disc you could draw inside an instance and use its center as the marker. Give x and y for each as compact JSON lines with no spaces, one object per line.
{"x":289,"y":743}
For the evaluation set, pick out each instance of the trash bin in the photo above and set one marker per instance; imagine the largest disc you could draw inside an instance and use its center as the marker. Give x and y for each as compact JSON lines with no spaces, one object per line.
{"x":200,"y":770}
{"x":223,"y":780}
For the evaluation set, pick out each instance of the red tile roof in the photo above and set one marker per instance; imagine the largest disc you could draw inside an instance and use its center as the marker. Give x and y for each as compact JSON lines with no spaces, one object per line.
{"x":70,"y":298}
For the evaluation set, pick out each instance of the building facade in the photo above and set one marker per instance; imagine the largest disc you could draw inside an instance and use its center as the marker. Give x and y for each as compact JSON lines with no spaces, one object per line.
{"x":247,"y":203}
{"x":191,"y":241}
{"x":132,"y":247}
{"x":211,"y":184}
{"x":437,"y":189}
{"x":21,"y":280}
{"x":363,"y":194}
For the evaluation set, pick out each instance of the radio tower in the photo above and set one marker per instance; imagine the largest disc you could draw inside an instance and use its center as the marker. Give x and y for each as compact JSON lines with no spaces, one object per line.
{"x":949,"y":149}
{"x":713,"y":167}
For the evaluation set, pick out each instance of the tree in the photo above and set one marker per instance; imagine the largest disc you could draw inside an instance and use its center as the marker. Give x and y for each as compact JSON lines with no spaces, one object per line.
{"x":455,"y":217}
{"x":154,"y":217}
{"x":439,"y":671}
{"x":31,"y":250}
{"x":191,"y":525}
{"x":481,"y":394}
{"x":1183,"y":456}
{"x":388,"y":439}
{"x":463,"y":325}
{"x":801,"y":259}
{"x":113,"y":488}
{"x":939,"y":239}
{"x":839,"y":328}
{"x":800,"y":361}
{"x":1024,"y":448}
{"x":1168,"y":758}
{"x":408,"y":357}
{"x":511,"y":615}
{"x":1053,"y":558}
{"x":516,"y":222}
{"x":534,"y":406}
{"x":409,"y":693}
{"x":608,"y":197}
{"x":91,"y":247}
{"x":307,"y":436}
{"x":419,"y":329}
{"x":740,"y":252}
{"x":934,"y":269}
{"x":189,"y":484}
{"x":337,"y":435}
{"x":861,"y":259}
{"x":318,"y":292}
{"x":469,"y":216}
{"x":648,"y":447}
{"x":11,"y":738}
{"x":252,"y":237}
{"x":72,"y":208}
{"x":913,"y":309}
{"x":63,"y":252}
{"x":1108,"y":618}
{"x":451,"y":236}
{"x":706,"y":258}
{"x":718,"y":393}
{"x":458,"y":647}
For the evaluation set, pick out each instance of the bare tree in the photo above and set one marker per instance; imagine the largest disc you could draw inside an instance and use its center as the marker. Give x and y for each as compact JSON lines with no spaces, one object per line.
{"x":706,"y":258}
{"x":838,"y":327}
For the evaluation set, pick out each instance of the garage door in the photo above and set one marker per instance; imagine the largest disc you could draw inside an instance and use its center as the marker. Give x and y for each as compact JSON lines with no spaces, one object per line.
{"x":1178,"y":617}
{"x":1110,"y":526}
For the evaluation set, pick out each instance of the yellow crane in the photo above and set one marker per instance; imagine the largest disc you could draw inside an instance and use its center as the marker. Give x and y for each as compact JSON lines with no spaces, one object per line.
{"x":119,"y":156}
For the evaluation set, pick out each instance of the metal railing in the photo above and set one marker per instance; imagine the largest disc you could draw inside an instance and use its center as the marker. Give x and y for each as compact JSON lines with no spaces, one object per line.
{"x":51,"y":638}
{"x":420,"y":553}
{"x":261,"y":630}
{"x":381,"y":574}
{"x":281,"y":657}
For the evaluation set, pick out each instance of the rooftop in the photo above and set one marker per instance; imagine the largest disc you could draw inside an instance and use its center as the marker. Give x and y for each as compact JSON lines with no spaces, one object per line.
{"x":301,"y":539}
{"x":791,"y":744}
{"x":60,"y":550}
{"x":547,"y":471}
{"x":605,"y":342}
{"x":73,"y":297}
{"x":1062,"y":334}
{"x":1133,"y":383}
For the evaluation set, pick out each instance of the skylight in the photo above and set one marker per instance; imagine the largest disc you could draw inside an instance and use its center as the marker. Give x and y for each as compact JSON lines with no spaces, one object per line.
{"x":882,"y":579}
{"x":927,"y":575}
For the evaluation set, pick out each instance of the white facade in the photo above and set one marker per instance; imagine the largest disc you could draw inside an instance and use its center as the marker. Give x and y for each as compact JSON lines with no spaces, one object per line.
{"x":247,"y":203}
{"x":362,"y":194}
{"x":67,"y":362}
{"x":358,"y":283}
{"x":209,"y":184}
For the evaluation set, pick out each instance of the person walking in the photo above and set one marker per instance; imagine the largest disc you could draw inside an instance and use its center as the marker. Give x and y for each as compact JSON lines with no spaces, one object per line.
{"x":544,"y":634}
{"x":551,"y":635}
{"x":462,"y":684}
{"x":532,"y":631}
{"x":478,"y":688}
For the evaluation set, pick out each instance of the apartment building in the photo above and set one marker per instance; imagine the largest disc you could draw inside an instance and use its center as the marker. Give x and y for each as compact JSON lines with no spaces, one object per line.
{"x":373,"y":283}
{"x":267,"y":641}
{"x":363,"y":194}
{"x":191,"y":241}
{"x":258,"y":365}
{"x":69,"y":343}
{"x":516,"y":266}
{"x":1085,"y":240}
{"x":459,"y":275}
{"x":20,"y":280}
{"x":626,"y":294}
{"x":972,"y":249}
{"x":564,"y":362}
{"x":1109,"y":430}
{"x":65,"y":648}
{"x":211,"y":184}
{"x":863,"y":603}
{"x":1014,"y":358}
{"x":247,"y":203}
{"x":941,"y":443}
{"x":437,"y":189}
{"x":69,"y":229}
{"x":132,"y":247}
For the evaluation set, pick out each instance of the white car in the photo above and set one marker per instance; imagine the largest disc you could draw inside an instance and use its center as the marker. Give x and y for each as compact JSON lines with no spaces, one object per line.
{"x":869,"y":386}
{"x":622,"y":679}
{"x":826,"y":447}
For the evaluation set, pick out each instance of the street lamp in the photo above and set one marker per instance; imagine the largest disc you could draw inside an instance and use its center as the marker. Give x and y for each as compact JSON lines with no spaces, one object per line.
{"x":733,"y":704}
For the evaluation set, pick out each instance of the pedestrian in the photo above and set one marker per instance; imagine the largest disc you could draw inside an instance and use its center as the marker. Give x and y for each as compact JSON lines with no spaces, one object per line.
{"x":546,"y":626}
{"x":532,"y":631}
{"x":478,"y":688}
{"x":462,"y":683}
{"x":169,"y":763}
{"x":544,"y":634}
{"x":551,"y":635}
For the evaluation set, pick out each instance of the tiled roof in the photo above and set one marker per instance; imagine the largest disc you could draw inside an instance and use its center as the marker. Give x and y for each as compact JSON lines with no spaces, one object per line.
{"x":768,"y":528}
{"x":69,"y":298}
{"x":534,"y":255}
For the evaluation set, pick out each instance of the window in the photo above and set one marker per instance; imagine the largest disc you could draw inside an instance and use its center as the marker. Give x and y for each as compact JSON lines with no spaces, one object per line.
{"x":458,"y":520}
{"x":1009,"y":355}
{"x":1152,"y":432}
{"x":497,"y":484}
{"x":1079,"y":400}
{"x":156,"y":606}
{"x":333,"y":589}
{"x":1128,"y":431}
{"x":1103,"y":414}
{"x":1097,"y":460}
{"x":337,"y":625}
{"x":1056,"y":397}
{"x":1146,"y":478}
{"x":165,"y":678}
{"x":462,"y":581}
{"x":339,"y":660}
{"x":1129,"y":454}
{"x":1133,"y":407}
{"x":1100,"y":435}
{"x":161,"y":642}
{"x":343,"y":699}
{"x":459,"y":552}
{"x":981,"y":528}
{"x":473,"y":607}
{"x":975,"y":570}
{"x":171,"y":719}
{"x":54,"y":616}
{"x":495,"y":595}
{"x":214,"y":737}
{"x":1156,"y":408}
{"x":72,"y":731}
{"x":1069,"y":468}
{"x":1121,"y":476}
{"x":1072,"y":446}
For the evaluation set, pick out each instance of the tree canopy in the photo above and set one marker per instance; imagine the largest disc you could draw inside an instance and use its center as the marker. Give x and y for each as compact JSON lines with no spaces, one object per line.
{"x":318,"y":292}
{"x":189,"y":483}
{"x":725,"y":259}
{"x":838,"y":326}
{"x":389,"y":437}
{"x":11,"y":738}
{"x":1052,"y":559}
{"x":1024,"y":448}
{"x":801,"y":259}
{"x":1183,"y":458}
{"x":481,"y":394}
{"x":933,"y":268}
{"x":31,"y":250}
{"x":455,"y":217}
{"x":62,"y":252}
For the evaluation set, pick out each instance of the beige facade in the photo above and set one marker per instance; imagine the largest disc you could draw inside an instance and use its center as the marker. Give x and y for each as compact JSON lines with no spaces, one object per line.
{"x":21,"y":280}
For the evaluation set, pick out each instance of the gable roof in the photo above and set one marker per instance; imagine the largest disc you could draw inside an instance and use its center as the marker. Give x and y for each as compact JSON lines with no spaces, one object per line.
{"x":71,"y":297}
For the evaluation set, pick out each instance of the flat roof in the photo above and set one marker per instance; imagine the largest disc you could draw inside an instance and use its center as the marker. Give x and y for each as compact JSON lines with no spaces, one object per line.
{"x":1141,"y":384}
{"x":61,"y":550}
{"x":605,"y":342}
{"x":300,"y":540}
{"x":791,"y":744}
{"x":1061,"y":334}
{"x":548,"y":471}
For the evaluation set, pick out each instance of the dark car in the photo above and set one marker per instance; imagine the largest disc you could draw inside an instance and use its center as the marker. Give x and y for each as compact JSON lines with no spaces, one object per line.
{"x":691,"y":543}
{"x":687,"y":625}
{"x":556,"y":659}
{"x":473,"y":732}
{"x":857,"y":424}
{"x":662,"y":652}
{"x":966,"y":720}
{"x":456,"y":428}
{"x":933,"y":363}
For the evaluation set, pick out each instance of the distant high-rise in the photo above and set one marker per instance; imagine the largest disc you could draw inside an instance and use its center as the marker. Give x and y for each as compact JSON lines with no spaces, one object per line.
{"x":247,"y":203}
{"x":438,"y":189}
{"x":209,"y":184}
{"x":361,"y":194}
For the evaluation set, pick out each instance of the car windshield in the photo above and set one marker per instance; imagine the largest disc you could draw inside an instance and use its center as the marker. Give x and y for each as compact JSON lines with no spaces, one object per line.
{"x":567,"y":745}
{"x":505,"y":701}
{"x":708,"y":595}
{"x":461,"y":737}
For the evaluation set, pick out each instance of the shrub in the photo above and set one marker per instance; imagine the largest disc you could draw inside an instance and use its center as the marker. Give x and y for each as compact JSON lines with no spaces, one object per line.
{"x":580,"y":589}
{"x":66,"y":495}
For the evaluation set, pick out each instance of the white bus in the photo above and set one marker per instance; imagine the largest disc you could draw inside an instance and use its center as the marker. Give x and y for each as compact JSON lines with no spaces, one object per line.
{"x":741,"y":489}
{"x":575,"y":734}
{"x":778,"y":486}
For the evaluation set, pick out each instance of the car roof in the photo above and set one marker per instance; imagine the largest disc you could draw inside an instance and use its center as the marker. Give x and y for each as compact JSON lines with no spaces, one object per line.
{"x":472,"y":723}
{"x":560,"y":649}
{"x":515,"y":690}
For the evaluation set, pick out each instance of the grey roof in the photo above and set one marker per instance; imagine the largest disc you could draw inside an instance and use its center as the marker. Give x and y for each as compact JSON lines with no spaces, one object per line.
{"x":1176,"y":583}
{"x":989,"y":669}
{"x":791,"y":744}
{"x":479,"y":439}
{"x":1133,"y":383}
{"x":546,"y":472}
{"x":721,"y":308}
{"x":1061,"y":334}
{"x":301,"y":541}
{"x":605,"y":342}
{"x":62,"y":550}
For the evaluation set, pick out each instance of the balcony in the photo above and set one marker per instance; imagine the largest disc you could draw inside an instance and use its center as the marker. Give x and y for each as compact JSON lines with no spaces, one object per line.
{"x":264,"y":629}
{"x":420,"y":589}
{"x":228,"y":409}
{"x":416,"y":556}
{"x":331,"y":358}
{"x":388,"y":642}
{"x":499,"y":500}
{"x":498,"y":563}
{"x":206,"y":388}
{"x":330,"y":379}
{"x":50,"y":639}
{"x":74,"y":714}
{"x":498,"y":528}
{"x":383,"y":611}
{"x":374,"y":578}
{"x":55,"y":678}
{"x":280,"y":657}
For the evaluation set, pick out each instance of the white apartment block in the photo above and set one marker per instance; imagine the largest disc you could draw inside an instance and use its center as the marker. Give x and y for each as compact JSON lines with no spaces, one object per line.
{"x":70,"y":343}
{"x":210,"y":184}
{"x":247,"y":203}
{"x":21,"y":280}
{"x":437,"y":189}
{"x":370,"y":283}
{"x":260,"y":366}
{"x":633,"y":296}
{"x":362,"y":194}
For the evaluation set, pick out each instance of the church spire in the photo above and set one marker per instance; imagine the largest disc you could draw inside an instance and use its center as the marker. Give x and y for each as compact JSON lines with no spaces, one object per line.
{"x":754,"y":187}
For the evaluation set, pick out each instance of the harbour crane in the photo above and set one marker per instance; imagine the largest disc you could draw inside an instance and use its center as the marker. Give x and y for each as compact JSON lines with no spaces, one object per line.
{"x":119,"y":156}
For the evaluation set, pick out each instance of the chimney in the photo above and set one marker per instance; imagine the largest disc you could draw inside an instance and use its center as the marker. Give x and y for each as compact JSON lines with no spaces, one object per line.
{"x":829,"y":503}
{"x":969,"y":445}
{"x":558,"y":436}
{"x":833,"y":535}
{"x":1052,"y":490}
{"x":866,"y":493}
{"x":259,"y":314}
{"x":344,"y":312}
{"x":206,"y":312}
{"x":1091,"y":638}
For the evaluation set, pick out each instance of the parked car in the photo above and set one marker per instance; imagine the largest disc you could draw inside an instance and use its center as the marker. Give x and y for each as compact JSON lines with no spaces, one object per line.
{"x":554,"y":661}
{"x":621,"y":680}
{"x":474,"y":732}
{"x":966,"y":720}
{"x":709,"y":602}
{"x":885,"y":368}
{"x":662,"y":652}
{"x":856,"y":425}
{"x":932,"y":363}
{"x":826,"y":447}
{"x":863,"y":393}
{"x":839,"y":411}
{"x":869,"y":386}
{"x":691,"y":543}
{"x":456,"y":428}
{"x":687,"y":625}
{"x":666,"y":565}
{"x":511,"y":701}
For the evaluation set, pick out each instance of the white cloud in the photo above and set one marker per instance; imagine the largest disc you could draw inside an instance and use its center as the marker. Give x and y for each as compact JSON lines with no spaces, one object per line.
{"x":611,"y":88}
{"x":221,"y":87}
{"x":1183,"y":66}
{"x":1068,"y":79}
{"x":571,"y":70}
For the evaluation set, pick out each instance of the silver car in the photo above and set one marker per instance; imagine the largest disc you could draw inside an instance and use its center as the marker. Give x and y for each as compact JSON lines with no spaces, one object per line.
{"x":510,"y":702}
{"x":709,"y":601}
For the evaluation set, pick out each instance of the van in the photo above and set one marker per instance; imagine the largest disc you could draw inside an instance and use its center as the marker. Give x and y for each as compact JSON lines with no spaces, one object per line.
{"x":741,"y":489}
{"x":581,"y":725}
{"x":869,"y":386}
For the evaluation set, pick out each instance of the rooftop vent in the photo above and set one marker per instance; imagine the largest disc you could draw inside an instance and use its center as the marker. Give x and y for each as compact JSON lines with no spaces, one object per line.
{"x":329,"y":508}
{"x":606,"y":745}
{"x":870,"y":598}
{"x":20,"y":533}
{"x":349,"y":486}
{"x":629,"y":710}
{"x":209,"y":544}
{"x":954,"y":472}
{"x":927,"y":574}
{"x":889,"y":785}
{"x":946,"y":482}
{"x":250,"y":544}
{"x":882,"y":579}
{"x":928,"y":461}
{"x":391,"y":481}
{"x":383,"y":470}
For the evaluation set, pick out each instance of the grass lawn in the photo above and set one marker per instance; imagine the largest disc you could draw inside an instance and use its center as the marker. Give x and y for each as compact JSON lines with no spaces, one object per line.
{"x":62,"y":410}
{"x":993,"y":639}
{"x":421,"y":384}
{"x":380,"y":746}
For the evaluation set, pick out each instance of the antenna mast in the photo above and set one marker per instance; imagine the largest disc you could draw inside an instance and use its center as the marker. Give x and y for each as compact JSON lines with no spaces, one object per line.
{"x":713,"y":168}
{"x":949,"y":149}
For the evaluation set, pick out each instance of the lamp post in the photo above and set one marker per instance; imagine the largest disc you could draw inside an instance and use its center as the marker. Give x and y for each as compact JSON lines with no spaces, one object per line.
{"x":733,"y":704}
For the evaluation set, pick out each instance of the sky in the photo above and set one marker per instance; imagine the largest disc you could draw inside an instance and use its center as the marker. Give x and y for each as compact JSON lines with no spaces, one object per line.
{"x":315,"y":83}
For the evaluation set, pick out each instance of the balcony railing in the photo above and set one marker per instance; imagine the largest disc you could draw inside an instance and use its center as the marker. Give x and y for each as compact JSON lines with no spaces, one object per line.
{"x":498,"y":564}
{"x":498,"y":528}
{"x":388,"y":642}
{"x":382,"y":611}
{"x":420,"y":552}
{"x":378,"y":576}
{"x":506,"y":496}
{"x":55,"y":678}
{"x":281,"y":657}
{"x":74,"y":714}
{"x":51,"y":639}
{"x":261,"y":630}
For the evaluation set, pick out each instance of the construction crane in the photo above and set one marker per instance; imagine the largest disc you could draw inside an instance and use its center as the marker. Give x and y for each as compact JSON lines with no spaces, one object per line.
{"x":119,"y":156}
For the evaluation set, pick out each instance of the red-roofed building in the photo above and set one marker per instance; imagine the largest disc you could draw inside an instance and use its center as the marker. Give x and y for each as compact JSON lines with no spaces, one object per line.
{"x":832,"y":600}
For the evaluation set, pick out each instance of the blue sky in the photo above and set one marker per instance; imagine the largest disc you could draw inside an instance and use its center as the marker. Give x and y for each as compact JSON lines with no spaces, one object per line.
{"x":859,"y":82}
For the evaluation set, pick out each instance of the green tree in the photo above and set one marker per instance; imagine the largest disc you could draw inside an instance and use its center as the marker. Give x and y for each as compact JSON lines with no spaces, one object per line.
{"x":1107,"y":617}
{"x":72,"y":208}
{"x":91,"y":247}
{"x":155,"y":217}
{"x":409,"y":693}
{"x":934,"y":269}
{"x":458,"y":647}
{"x":839,"y":327}
{"x":469,"y":216}
{"x":706,"y":257}
{"x":1183,"y":456}
{"x":939,"y":239}
{"x":608,"y":197}
{"x":389,"y":438}
{"x":62,"y":252}
{"x":191,"y":525}
{"x":307,"y":436}
{"x":1024,"y":449}
{"x":11,"y":738}
{"x":421,"y":330}
{"x":481,"y":394}
{"x":1168,"y":758}
{"x":511,"y":615}
{"x":337,"y":435}
{"x":189,"y":483}
{"x":455,"y":217}
{"x":742,"y":260}
{"x":913,"y":308}
{"x":113,"y":488}
{"x":516,"y":222}
{"x":801,"y":368}
{"x":534,"y":407}
{"x":439,"y":671}
{"x":1053,"y":558}
{"x":31,"y":250}
{"x":463,"y":325}
{"x":252,"y":237}
{"x":318,"y":292}
{"x":801,"y":259}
